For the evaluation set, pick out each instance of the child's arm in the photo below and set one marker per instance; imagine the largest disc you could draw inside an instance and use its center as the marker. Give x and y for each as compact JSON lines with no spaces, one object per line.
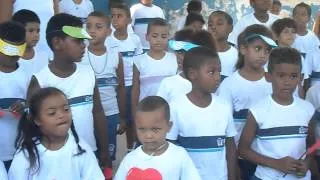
{"x":6,"y":8}
{"x":231,"y":158}
{"x":100,"y":125}
{"x":121,"y":97}
{"x":316,"y":25}
{"x":135,"y":89}
{"x":56,"y":6}
{"x":286,"y":164}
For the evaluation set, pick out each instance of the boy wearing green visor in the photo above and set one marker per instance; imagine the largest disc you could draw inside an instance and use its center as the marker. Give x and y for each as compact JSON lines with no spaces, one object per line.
{"x":65,"y":37}
{"x":13,"y":86}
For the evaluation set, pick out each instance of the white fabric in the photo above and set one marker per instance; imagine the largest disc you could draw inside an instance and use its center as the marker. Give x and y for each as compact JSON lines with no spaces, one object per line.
{"x":3,"y":172}
{"x":192,"y":121}
{"x":174,"y":163}
{"x":285,"y":143}
{"x":36,"y":63}
{"x":141,"y":11}
{"x":228,"y":61}
{"x":61,"y":164}
{"x":313,"y":65}
{"x":153,"y":71}
{"x":129,"y":48}
{"x":242,"y":94}
{"x":246,"y":21}
{"x":105,"y":68}
{"x":313,"y":96}
{"x":307,"y":43}
{"x":182,"y":22}
{"x":13,"y":87}
{"x":45,"y":10}
{"x":78,"y":85}
{"x":81,"y":10}
{"x":173,"y":86}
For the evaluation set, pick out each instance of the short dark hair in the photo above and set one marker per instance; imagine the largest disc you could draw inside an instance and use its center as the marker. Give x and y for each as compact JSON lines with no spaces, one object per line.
{"x":196,"y":57}
{"x":279,"y":25}
{"x":204,"y":38}
{"x":303,"y":5}
{"x":225,"y":15}
{"x":100,"y":14}
{"x":194,"y":5}
{"x":55,"y":24}
{"x":284,"y":55}
{"x":123,"y":7}
{"x":25,"y":16}
{"x":277,"y":2}
{"x":157,"y":22}
{"x":152,"y":103}
{"x":192,"y":17}
{"x":12,"y":31}
{"x":184,"y":35}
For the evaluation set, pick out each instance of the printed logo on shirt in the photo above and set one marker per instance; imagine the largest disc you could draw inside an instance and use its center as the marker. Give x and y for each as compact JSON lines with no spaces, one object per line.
{"x":221,"y":142}
{"x":81,"y":100}
{"x":105,"y":82}
{"x":303,"y":130}
{"x":128,"y":53}
{"x":202,"y":143}
{"x":285,"y":132}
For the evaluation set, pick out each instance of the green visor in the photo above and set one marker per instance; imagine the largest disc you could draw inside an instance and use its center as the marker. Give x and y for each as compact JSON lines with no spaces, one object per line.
{"x":76,"y":32}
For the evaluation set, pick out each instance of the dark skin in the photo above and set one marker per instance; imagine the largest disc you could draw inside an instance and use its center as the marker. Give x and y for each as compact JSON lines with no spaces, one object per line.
{"x":261,"y":9}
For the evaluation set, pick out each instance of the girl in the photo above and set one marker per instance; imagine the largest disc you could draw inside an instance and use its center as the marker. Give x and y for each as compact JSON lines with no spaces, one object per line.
{"x":247,"y":85}
{"x":46,"y":149}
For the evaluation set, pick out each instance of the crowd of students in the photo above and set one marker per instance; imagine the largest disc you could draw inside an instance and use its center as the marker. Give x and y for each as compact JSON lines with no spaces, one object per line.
{"x":221,"y":101}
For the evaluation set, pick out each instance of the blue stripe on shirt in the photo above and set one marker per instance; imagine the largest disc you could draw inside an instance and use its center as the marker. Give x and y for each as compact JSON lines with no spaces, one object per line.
{"x":81,"y":100}
{"x":282,"y":132}
{"x":202,"y":143}
{"x":128,"y":53}
{"x":5,"y":103}
{"x":143,"y":20}
{"x":240,"y":116}
{"x":105,"y":82}
{"x":315,"y":75}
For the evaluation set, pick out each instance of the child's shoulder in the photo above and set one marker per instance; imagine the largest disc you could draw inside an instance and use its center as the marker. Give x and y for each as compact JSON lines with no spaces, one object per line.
{"x":220,"y":102}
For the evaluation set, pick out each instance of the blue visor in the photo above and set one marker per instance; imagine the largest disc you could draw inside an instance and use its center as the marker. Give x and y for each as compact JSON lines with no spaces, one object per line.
{"x":181,"y":45}
{"x":266,"y":39}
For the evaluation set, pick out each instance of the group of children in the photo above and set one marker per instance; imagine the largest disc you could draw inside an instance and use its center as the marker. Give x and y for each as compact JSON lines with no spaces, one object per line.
{"x":221,"y":103}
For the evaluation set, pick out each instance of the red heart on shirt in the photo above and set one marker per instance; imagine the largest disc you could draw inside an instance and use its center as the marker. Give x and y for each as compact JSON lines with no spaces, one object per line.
{"x":147,"y":174}
{"x":1,"y":113}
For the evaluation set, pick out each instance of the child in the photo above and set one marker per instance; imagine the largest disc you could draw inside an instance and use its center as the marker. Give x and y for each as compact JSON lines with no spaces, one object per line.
{"x":204,"y":38}
{"x":194,"y":21}
{"x":220,"y":25}
{"x":259,"y":16}
{"x":33,"y":59}
{"x":3,"y":172}
{"x":65,"y":37}
{"x":194,"y":6}
{"x":247,"y":84}
{"x":156,"y":158}
{"x":13,"y":86}
{"x":150,"y":68}
{"x":313,"y":67}
{"x":202,"y":122}
{"x":276,"y":7}
{"x":79,"y":8}
{"x":129,"y":45}
{"x":280,"y":123}
{"x":46,"y":149}
{"x":306,"y":40}
{"x":108,"y":69}
{"x":142,"y":14}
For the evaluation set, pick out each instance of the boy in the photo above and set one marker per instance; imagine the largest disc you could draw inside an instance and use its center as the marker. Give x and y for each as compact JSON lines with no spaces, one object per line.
{"x":202,"y":122}
{"x":142,"y":14}
{"x":259,"y":16}
{"x":33,"y":59}
{"x":220,"y":25}
{"x":194,"y":6}
{"x":129,"y":45}
{"x":79,"y":8}
{"x":276,"y":7}
{"x":280,"y":122}
{"x":65,"y":37}
{"x":306,"y":41}
{"x":14,"y":84}
{"x":194,"y":21}
{"x":108,"y":68}
{"x":156,"y":158}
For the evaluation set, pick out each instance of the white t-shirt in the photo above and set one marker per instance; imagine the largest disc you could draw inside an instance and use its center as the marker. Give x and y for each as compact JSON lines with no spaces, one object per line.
{"x":282,"y":131}
{"x":79,"y":89}
{"x":13,"y":87}
{"x":182,"y":22}
{"x":313,"y":96}
{"x":141,"y":15}
{"x":152,"y":72}
{"x":3,"y":172}
{"x":202,"y":132}
{"x":105,"y":68}
{"x":173,"y":86}
{"x":307,"y":43}
{"x":228,"y":61}
{"x":242,"y":94}
{"x":129,"y":48}
{"x":81,"y":10}
{"x":60,"y":164}
{"x":246,"y":21}
{"x":35,"y":64}
{"x":174,"y":163}
{"x":313,"y":66}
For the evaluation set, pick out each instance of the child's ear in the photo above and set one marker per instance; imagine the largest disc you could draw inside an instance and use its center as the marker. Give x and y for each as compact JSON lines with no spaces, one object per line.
{"x":230,"y":28}
{"x":267,"y":76}
{"x":242,"y":49}
{"x":56,"y":43}
{"x":191,"y":74}
{"x":170,"y":125}
{"x":147,"y":37}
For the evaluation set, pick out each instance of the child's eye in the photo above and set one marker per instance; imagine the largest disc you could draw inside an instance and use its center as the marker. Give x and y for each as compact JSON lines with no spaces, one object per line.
{"x":156,"y":130}
{"x":164,"y":36}
{"x":294,"y":76}
{"x":52,"y":113}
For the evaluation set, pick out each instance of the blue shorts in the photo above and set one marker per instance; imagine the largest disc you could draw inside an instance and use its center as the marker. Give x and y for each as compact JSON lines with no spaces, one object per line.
{"x":129,"y":118}
{"x":113,"y":122}
{"x":247,"y":169}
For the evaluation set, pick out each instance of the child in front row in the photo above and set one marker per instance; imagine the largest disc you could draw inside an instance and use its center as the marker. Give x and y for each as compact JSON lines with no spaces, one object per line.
{"x":108,"y":68}
{"x":280,"y":123}
{"x":46,"y":148}
{"x":202,"y":121}
{"x":247,"y":85}
{"x":156,"y":157}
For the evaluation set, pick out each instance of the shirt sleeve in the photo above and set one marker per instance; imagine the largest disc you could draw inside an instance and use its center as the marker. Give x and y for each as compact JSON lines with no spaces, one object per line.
{"x":231,"y":130}
{"x":224,"y":91}
{"x":139,"y":49}
{"x":19,"y":167}
{"x":90,"y":167}
{"x":174,"y":131}
{"x":189,"y":171}
{"x":162,"y":90}
{"x":122,"y":170}
{"x":3,"y":172}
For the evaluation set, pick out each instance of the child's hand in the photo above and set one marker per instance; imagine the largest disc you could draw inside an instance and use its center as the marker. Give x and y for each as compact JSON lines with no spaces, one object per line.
{"x":122,"y":127}
{"x":287,"y":165}
{"x":302,"y":168}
